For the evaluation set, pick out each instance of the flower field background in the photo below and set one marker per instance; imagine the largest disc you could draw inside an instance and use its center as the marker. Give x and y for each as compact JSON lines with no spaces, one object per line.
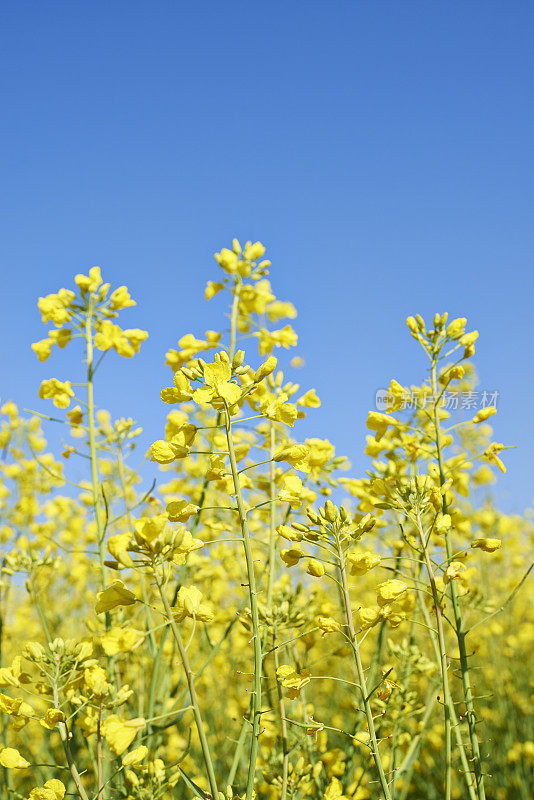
{"x":261,"y":622}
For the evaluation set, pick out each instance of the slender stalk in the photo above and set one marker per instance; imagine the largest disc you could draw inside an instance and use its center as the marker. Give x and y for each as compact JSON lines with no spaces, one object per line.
{"x":272,"y":517}
{"x":443,"y":661}
{"x":92,"y":447}
{"x":240,"y":744}
{"x":191,"y":685}
{"x":100,"y":780}
{"x":361,"y":676}
{"x":454,"y":720}
{"x":406,"y":768}
{"x":253,"y":595}
{"x":64,"y":736}
{"x":458,"y":621}
{"x":270,"y":591}
{"x":283,"y":725}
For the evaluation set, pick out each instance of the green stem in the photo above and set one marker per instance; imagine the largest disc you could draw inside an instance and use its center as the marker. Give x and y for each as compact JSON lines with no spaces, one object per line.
{"x":454,"y":720}
{"x":443,"y":662}
{"x":283,"y":725}
{"x":64,"y":736}
{"x":92,"y":447}
{"x":458,"y":621}
{"x":361,"y":676}
{"x":253,"y":595}
{"x":191,"y":685}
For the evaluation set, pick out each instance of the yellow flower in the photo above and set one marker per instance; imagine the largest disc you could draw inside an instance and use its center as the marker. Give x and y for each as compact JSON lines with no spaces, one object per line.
{"x":379,"y":422}
{"x":389,"y":591}
{"x":75,"y":416}
{"x":369,"y":616}
{"x":60,"y":393}
{"x":267,"y":368}
{"x":121,"y":640}
{"x":55,"y":307}
{"x":360,"y":563}
{"x":118,"y":547}
{"x":292,"y":679}
{"x":490,"y":453}
{"x":61,"y":337}
{"x":484,"y":414}
{"x":179,"y":392}
{"x":456,"y":328}
{"x":135,"y":338}
{"x":162,"y":452}
{"x":184,"y":545}
{"x":217,"y":378}
{"x":190,"y":346}
{"x":274,"y":407}
{"x":309,"y":400}
{"x":120,"y":298}
{"x":253,"y":251}
{"x":228,"y":260}
{"x":120,"y":733}
{"x":292,"y":555}
{"x":315,"y":568}
{"x":52,"y":790}
{"x":217,"y":468}
{"x":150,"y":532}
{"x":91,"y":282}
{"x":488,"y":545}
{"x":56,"y":787}
{"x":321,"y":451}
{"x":253,"y":299}
{"x":291,"y":491}
{"x":279,"y":310}
{"x":96,"y":680}
{"x":288,"y":533}
{"x":42,"y":349}
{"x":334,"y":790}
{"x":178,"y":447}
{"x":212,"y":289}
{"x":52,"y":717}
{"x":181,"y":510}
{"x":13,"y":675}
{"x":457,"y":571}
{"x":298,"y":455}
{"x":15,"y":706}
{"x":189,"y":604}
{"x":135,"y":757}
{"x":285,"y":337}
{"x":115,"y":595}
{"x":328,"y":625}
{"x":12,"y":759}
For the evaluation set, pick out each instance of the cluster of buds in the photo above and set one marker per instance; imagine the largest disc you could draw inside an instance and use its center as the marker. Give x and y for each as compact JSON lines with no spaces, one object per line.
{"x":243,"y":261}
{"x":333,"y":521}
{"x":121,"y":431}
{"x":153,"y":539}
{"x":290,"y":609}
{"x":301,"y":775}
{"x":25,"y":559}
{"x":433,"y":339}
{"x":149,"y":781}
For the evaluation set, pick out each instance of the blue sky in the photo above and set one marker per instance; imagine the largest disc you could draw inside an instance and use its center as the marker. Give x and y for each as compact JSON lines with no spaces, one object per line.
{"x":381,"y":150}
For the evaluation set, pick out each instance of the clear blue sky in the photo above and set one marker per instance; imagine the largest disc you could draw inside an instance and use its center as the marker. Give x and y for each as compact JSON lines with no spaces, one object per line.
{"x":383,"y":151}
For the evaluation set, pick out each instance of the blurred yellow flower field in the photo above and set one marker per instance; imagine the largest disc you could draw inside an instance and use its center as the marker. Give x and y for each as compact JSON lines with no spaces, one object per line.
{"x":263,"y":622}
